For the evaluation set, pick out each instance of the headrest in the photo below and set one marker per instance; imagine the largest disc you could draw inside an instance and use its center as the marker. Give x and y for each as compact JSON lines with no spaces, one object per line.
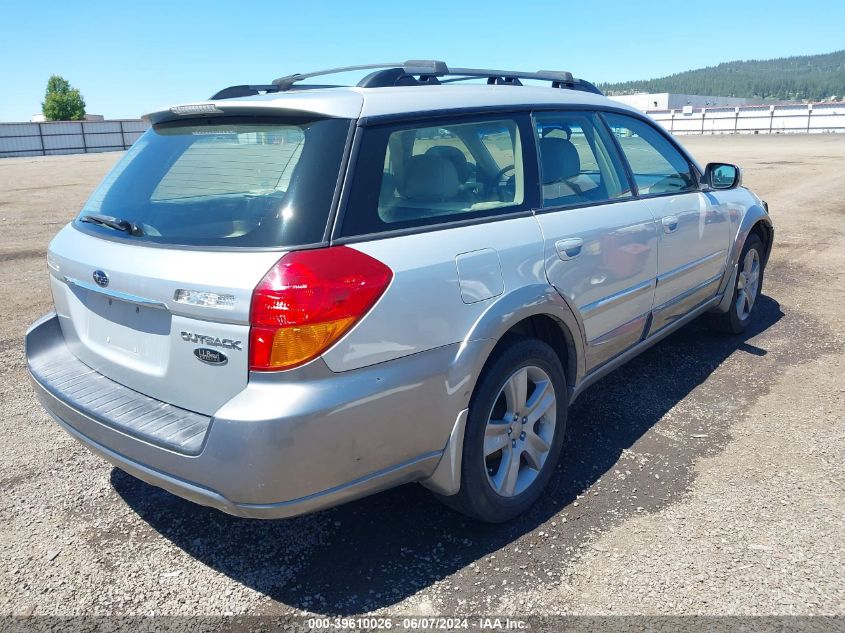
{"x":559,"y":159}
{"x":430,"y":178}
{"x":456,"y":156}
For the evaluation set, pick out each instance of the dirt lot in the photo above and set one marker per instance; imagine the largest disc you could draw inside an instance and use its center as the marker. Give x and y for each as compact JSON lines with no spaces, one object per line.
{"x":704,"y":477}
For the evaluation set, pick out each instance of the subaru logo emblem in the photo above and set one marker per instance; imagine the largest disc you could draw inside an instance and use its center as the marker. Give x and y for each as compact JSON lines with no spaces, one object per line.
{"x":101,"y":278}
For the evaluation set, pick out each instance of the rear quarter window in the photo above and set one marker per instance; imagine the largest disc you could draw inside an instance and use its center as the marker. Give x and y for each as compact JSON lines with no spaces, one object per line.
{"x":440,"y":171}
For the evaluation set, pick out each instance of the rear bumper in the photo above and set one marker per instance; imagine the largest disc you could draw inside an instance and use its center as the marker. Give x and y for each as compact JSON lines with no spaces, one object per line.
{"x":288,"y":444}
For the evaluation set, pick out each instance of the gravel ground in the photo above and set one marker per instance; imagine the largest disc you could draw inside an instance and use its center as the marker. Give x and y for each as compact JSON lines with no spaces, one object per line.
{"x":703,"y":477}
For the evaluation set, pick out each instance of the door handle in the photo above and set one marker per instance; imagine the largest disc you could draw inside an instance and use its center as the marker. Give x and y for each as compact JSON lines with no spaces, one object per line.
{"x":569,"y":248}
{"x":670,"y":224}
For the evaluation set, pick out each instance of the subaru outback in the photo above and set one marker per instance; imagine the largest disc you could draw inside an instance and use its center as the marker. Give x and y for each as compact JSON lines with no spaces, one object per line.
{"x":292,"y":295}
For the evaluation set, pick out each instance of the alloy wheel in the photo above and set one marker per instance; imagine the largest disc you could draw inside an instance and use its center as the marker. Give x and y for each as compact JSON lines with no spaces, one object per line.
{"x":520,"y":430}
{"x":748,"y":284}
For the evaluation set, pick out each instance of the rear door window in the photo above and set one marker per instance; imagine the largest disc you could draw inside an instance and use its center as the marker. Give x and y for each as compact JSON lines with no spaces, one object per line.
{"x":579,"y":163}
{"x":435,"y":172}
{"x":225,"y":182}
{"x":657,"y":166}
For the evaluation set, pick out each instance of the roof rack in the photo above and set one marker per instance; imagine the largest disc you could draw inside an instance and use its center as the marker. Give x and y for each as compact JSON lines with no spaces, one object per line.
{"x":233,"y":92}
{"x":415,"y":72}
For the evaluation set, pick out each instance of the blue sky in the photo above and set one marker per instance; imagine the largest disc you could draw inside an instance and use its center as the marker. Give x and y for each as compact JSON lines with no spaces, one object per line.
{"x":131,"y":57}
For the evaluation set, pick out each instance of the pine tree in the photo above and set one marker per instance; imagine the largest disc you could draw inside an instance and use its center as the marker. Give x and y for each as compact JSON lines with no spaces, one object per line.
{"x":811,"y":77}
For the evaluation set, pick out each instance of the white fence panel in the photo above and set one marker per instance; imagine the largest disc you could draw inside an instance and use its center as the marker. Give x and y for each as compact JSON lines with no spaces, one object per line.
{"x":63,"y":141}
{"x":135,"y":126}
{"x":790,"y":119}
{"x":68,"y":137}
{"x":18,"y":129}
{"x":827,"y":117}
{"x":20,"y":144}
{"x":687,"y":123}
{"x":94,"y":141}
{"x":61,"y":127}
{"x":99,"y":127}
{"x":780,"y":119}
{"x":719,"y":121}
{"x":754,"y":120}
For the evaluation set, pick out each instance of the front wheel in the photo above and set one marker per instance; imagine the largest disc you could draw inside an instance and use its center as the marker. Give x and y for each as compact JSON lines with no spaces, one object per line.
{"x":749,"y":282}
{"x":514,"y":432}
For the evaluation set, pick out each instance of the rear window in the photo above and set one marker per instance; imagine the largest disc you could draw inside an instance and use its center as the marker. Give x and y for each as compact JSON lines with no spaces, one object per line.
{"x":225,"y":182}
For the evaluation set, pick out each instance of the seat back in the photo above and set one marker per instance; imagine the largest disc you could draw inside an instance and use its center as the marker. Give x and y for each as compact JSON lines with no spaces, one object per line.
{"x":429,"y":178}
{"x":559,"y":159}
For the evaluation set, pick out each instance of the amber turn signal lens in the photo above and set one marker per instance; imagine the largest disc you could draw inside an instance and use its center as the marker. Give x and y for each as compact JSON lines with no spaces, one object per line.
{"x":298,"y":344}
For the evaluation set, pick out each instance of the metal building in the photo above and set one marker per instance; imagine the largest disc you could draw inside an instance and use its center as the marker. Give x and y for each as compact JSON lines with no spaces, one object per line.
{"x":669,"y":101}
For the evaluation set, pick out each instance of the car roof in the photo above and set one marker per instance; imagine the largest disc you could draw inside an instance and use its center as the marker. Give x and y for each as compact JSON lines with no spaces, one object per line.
{"x":354,"y":102}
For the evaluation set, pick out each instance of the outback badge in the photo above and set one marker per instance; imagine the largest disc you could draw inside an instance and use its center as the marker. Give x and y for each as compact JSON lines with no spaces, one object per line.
{"x":210,"y":356}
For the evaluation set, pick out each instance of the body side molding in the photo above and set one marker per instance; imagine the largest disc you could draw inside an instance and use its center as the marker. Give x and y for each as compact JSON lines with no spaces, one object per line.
{"x":640,"y":347}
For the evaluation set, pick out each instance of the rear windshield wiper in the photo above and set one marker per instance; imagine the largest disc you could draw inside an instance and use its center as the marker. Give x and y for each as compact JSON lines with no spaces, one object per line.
{"x":114,"y":223}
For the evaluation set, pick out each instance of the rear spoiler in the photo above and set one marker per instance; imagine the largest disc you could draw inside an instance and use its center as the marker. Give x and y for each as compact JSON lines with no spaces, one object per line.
{"x":346,"y":106}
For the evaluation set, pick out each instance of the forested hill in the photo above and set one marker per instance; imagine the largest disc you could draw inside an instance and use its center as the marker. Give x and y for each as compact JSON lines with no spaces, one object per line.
{"x":814,"y":77}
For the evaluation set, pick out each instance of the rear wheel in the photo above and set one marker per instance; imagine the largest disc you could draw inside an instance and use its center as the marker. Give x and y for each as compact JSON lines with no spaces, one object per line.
{"x":514,"y":432}
{"x":749,"y":282}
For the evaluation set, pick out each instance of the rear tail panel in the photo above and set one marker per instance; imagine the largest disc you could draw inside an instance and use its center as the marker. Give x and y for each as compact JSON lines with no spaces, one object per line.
{"x":118,"y":314}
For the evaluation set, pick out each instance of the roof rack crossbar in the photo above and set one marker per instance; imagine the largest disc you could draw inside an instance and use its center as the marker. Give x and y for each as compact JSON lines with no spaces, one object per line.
{"x":555,"y":76}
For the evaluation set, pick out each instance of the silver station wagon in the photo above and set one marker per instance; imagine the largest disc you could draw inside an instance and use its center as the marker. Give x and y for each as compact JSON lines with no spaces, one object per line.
{"x":292,"y":295}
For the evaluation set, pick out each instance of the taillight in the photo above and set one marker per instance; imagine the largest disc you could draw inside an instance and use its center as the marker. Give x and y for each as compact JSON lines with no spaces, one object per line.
{"x":307,"y":301}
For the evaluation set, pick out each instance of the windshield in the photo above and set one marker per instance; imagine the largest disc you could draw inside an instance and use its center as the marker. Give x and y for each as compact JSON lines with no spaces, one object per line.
{"x":224,"y":182}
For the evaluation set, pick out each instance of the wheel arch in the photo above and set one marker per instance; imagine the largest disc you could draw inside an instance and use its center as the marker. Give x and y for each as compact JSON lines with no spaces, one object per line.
{"x":541,"y":312}
{"x":765,"y":230}
{"x":537,"y":310}
{"x":757,"y":221}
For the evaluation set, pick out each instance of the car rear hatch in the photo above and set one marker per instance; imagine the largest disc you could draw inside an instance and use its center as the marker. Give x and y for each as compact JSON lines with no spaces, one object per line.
{"x":153,"y":280}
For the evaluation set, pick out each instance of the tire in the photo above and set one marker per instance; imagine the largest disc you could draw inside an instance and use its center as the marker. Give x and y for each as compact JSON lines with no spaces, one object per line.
{"x":490,"y":491}
{"x":735,"y":320}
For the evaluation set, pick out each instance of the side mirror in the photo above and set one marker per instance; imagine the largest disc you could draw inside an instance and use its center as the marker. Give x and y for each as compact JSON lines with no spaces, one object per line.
{"x":722,"y":176}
